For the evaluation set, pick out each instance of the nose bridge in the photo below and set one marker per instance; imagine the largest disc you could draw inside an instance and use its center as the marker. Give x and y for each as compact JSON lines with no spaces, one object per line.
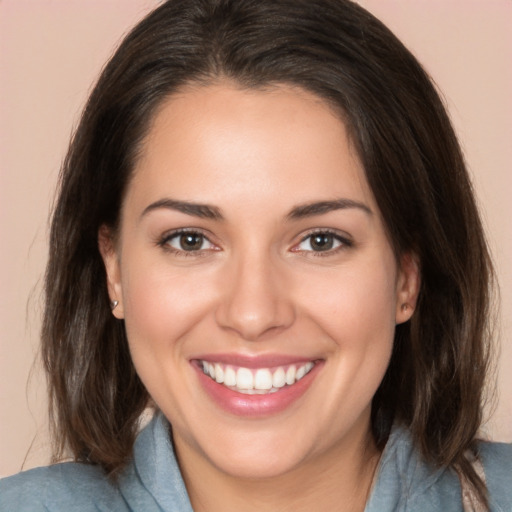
{"x":254,"y":301}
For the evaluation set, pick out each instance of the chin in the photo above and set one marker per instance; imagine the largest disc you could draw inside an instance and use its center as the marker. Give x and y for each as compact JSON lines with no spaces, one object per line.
{"x":260,"y":463}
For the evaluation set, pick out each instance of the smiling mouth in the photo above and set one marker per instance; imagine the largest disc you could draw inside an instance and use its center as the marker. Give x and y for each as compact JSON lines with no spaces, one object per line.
{"x":258,"y":381}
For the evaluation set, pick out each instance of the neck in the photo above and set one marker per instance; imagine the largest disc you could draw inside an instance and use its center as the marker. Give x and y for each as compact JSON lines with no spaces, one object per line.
{"x":338,"y":480}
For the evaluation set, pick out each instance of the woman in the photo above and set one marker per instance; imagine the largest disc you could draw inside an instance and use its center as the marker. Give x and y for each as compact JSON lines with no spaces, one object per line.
{"x":265,"y":232}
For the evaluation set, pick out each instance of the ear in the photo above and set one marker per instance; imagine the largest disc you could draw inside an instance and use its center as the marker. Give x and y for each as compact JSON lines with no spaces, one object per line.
{"x":408,"y":287}
{"x":109,"y":253}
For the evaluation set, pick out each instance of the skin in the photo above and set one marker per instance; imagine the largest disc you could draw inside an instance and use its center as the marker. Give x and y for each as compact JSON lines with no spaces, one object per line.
{"x":257,"y":286}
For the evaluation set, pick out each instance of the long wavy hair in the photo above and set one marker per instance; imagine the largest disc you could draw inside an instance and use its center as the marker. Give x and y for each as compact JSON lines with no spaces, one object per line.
{"x":414,"y":166}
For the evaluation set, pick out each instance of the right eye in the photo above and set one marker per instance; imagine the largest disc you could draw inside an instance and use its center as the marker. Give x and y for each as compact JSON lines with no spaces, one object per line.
{"x":320,"y":242}
{"x":187,"y":241}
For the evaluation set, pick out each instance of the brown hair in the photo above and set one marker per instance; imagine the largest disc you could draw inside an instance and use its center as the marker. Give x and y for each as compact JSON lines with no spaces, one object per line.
{"x":414,"y":166}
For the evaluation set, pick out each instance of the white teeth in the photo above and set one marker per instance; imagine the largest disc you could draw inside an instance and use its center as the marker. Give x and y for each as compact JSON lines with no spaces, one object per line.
{"x":279,"y":378}
{"x":263,"y":379}
{"x":219,"y":373}
{"x":260,"y":381}
{"x":300,"y":373}
{"x":244,"y":379}
{"x":229,"y":377}
{"x":290,"y":375}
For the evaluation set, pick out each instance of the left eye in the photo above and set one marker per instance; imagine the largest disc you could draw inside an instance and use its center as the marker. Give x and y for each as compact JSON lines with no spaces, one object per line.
{"x":189,"y":242}
{"x":320,"y":242}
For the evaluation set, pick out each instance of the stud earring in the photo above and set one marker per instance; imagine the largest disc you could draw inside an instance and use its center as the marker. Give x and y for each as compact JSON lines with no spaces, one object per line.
{"x":113,"y":304}
{"x":404,"y":307}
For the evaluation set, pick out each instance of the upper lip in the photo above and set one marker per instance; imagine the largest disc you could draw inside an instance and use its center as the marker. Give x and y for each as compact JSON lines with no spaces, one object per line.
{"x":254,"y":361}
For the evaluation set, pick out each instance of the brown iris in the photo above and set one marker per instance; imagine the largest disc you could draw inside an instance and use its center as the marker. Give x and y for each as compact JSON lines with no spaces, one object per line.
{"x":191,"y":241}
{"x":322,"y":241}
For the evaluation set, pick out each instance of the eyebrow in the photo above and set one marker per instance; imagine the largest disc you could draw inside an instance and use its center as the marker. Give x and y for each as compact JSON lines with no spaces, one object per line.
{"x":202,"y":211}
{"x":205,"y":211}
{"x":321,"y":207}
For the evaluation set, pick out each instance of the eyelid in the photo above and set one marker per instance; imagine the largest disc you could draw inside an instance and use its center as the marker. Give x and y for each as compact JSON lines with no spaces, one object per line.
{"x":344,"y":239}
{"x":163,"y":241}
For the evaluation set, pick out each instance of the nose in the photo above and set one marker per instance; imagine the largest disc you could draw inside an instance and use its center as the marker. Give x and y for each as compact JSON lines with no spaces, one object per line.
{"x":255,"y":300}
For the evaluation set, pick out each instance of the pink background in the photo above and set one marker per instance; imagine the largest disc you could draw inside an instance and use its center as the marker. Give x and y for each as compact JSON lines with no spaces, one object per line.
{"x":50,"y":53}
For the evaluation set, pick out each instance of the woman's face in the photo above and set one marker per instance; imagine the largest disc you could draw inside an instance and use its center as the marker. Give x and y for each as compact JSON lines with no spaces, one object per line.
{"x":251,"y":248}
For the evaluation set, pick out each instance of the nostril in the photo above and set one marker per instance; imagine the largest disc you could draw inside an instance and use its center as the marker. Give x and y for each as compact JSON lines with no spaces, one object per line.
{"x":253,"y":321}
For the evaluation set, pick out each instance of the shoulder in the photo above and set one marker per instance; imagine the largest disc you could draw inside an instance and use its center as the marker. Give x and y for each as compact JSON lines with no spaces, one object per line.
{"x":151,"y":482}
{"x":405,"y":481}
{"x":61,"y":487}
{"x":497,"y":462}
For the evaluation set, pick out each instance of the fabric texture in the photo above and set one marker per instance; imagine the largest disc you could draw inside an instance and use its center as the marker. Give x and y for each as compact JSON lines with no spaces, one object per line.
{"x":153,"y":481}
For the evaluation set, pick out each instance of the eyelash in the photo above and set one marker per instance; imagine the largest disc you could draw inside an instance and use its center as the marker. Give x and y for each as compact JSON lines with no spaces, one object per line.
{"x":345,"y":243}
{"x":167,"y":237}
{"x":163,"y":242}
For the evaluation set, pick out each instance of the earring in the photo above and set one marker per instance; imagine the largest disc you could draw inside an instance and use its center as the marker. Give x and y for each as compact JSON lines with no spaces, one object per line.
{"x":113,"y":304}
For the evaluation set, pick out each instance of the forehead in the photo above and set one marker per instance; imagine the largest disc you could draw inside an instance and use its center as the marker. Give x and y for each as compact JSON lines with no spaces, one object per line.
{"x":208,"y":140}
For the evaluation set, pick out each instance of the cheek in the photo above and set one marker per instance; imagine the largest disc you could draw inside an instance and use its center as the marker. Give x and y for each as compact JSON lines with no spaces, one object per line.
{"x":355,"y":305}
{"x":162,"y":304}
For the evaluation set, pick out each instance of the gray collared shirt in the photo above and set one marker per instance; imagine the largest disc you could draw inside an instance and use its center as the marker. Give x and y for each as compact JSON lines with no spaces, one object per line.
{"x":153,"y":482}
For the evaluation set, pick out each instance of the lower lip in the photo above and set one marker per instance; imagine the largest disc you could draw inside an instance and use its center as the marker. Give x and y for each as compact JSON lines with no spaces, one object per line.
{"x":241,"y":404}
